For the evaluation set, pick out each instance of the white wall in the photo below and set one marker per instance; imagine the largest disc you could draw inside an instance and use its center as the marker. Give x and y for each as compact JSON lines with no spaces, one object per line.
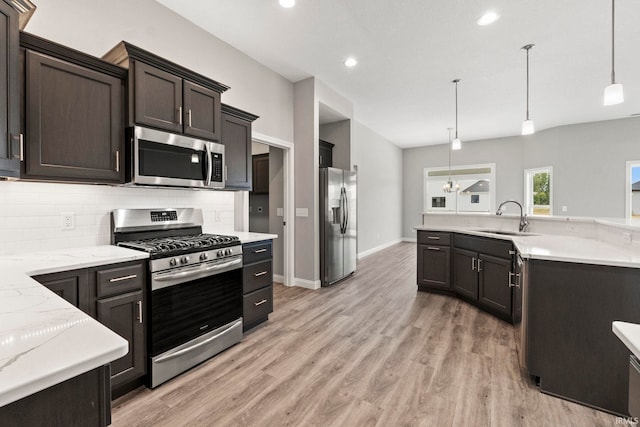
{"x":588,"y":159}
{"x":379,"y":205}
{"x":30,"y":218}
{"x":95,"y":26}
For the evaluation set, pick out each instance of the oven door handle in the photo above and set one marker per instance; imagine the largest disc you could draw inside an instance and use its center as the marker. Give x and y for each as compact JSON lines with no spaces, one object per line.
{"x":168,"y":277}
{"x":179,"y":353}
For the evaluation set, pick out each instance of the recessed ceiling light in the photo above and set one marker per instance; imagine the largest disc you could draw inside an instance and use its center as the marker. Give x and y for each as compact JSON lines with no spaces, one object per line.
{"x":488,"y":18}
{"x":351,"y":62}
{"x":287,"y":3}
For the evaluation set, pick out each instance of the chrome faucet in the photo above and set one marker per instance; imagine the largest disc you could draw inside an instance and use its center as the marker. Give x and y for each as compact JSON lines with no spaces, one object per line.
{"x":524,"y":222}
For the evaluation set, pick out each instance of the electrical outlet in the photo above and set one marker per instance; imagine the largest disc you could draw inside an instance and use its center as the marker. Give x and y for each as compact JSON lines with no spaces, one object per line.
{"x":68,"y":220}
{"x":564,"y":209}
{"x":217,"y":216}
{"x":626,"y":237}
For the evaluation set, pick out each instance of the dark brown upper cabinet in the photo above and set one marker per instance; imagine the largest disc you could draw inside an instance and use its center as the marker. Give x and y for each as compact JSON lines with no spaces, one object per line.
{"x":73,"y":114}
{"x":260,"y":173}
{"x":167,"y":96}
{"x":9,"y":93}
{"x":325,"y":149}
{"x":236,"y":137}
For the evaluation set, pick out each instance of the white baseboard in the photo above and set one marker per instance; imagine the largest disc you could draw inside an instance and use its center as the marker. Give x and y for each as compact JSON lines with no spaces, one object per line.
{"x":308,"y":284}
{"x":410,"y":239}
{"x":378,"y":248}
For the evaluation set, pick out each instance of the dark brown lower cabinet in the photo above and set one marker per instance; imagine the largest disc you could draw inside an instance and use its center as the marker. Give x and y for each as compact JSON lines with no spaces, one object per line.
{"x":114,"y":295}
{"x":434,"y":266}
{"x":257,"y":283}
{"x":123,"y":315}
{"x":494,"y":290}
{"x":465,"y":276}
{"x":84,"y":400}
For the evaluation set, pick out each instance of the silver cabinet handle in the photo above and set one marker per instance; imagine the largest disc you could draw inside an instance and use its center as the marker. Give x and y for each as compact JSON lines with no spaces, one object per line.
{"x":21,"y":138}
{"x":180,"y":115}
{"x":259,"y":251}
{"x":479,"y":265}
{"x":320,"y":158}
{"x":473,"y":263}
{"x":120,"y":279}
{"x":117,"y":160}
{"x":433,"y":248}
{"x":139,"y":304}
{"x":262,"y":273}
{"x":260,"y":302}
{"x":511,"y":284}
{"x":189,"y":116}
{"x":512,"y":252}
{"x":433,"y":237}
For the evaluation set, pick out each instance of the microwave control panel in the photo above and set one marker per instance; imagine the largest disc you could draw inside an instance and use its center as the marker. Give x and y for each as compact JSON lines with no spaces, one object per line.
{"x":217,"y":168}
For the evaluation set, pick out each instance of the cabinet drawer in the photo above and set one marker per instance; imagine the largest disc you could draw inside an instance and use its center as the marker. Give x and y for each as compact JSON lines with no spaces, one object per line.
{"x":256,"y":276}
{"x":255,"y":252}
{"x":257,"y":305}
{"x":434,"y":238}
{"x":118,"y":280}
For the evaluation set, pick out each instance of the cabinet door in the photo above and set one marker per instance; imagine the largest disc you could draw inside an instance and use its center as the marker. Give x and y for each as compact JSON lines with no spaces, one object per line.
{"x":123,"y":314}
{"x":236,"y":137}
{"x":494,"y":290}
{"x":326,"y":154}
{"x":465,"y":276}
{"x":74,"y":122}
{"x":434,"y":266}
{"x":157,"y":98}
{"x":201,"y":111}
{"x":261,"y":174}
{"x":9,"y":90}
{"x":72,"y":286}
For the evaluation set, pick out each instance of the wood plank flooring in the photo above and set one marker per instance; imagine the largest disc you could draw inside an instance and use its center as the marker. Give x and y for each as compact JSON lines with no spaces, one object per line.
{"x":370,"y":351}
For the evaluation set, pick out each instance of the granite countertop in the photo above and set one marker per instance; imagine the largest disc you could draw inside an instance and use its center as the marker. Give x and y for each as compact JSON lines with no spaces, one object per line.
{"x":629,"y":334}
{"x":559,"y":248}
{"x":44,"y":340}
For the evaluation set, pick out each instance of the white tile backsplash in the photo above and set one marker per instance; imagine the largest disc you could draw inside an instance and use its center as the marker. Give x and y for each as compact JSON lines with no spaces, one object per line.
{"x":30,"y":212}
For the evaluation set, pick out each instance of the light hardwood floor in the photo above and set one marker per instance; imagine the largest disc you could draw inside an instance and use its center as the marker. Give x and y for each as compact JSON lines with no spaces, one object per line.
{"x":370,"y":351}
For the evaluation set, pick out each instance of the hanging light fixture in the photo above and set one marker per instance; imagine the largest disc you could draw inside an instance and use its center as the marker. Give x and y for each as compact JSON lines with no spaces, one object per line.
{"x":448,"y":186}
{"x":527,"y":125}
{"x":456,"y":144}
{"x":613,"y":93}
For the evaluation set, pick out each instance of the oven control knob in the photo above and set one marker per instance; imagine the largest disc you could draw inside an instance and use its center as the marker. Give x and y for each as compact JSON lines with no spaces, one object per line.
{"x":184,"y":259}
{"x":227,"y":251}
{"x":204,"y":257}
{"x":173,"y":262}
{"x":219,"y":253}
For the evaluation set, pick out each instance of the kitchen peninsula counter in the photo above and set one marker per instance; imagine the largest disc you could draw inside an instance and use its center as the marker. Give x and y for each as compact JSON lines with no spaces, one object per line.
{"x":44,"y":340}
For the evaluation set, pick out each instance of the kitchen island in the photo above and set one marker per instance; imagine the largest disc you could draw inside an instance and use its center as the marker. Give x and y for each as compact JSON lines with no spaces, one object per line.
{"x":569,"y":291}
{"x":46,"y":341}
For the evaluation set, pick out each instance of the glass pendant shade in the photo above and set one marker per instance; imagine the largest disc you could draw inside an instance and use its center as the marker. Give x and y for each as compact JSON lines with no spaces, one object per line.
{"x":456,"y":144}
{"x":527,"y":127}
{"x":613,"y":94}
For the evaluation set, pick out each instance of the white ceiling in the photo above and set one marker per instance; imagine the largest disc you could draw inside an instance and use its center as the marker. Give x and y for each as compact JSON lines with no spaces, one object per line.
{"x":410,"y":50}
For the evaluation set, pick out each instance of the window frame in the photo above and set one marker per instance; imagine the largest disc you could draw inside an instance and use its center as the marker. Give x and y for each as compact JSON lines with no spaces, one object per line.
{"x":528,"y":189}
{"x":492,"y":192}
{"x":628,"y":195}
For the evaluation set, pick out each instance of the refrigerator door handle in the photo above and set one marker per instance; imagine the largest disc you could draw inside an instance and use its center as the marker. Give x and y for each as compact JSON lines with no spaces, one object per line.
{"x":346,"y":211}
{"x":343,"y":207}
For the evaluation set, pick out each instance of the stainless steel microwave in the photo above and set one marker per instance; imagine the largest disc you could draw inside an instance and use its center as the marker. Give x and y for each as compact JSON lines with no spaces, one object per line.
{"x":161,"y":158}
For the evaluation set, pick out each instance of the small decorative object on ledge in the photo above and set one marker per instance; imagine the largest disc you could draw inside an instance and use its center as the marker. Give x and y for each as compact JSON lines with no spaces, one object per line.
{"x":25,"y":8}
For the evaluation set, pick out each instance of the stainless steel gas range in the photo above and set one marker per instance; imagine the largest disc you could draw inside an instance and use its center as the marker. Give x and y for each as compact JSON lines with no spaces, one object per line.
{"x":194,"y":298}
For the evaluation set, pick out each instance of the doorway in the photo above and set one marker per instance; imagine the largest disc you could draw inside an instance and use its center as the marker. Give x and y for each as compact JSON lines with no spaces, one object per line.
{"x":269,"y":208}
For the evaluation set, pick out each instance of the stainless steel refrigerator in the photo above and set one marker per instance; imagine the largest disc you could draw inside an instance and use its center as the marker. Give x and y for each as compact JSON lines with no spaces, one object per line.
{"x":337,"y":224}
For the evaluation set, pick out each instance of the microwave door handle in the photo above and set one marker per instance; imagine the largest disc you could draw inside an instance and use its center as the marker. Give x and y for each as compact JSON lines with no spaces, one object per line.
{"x":209,"y":163}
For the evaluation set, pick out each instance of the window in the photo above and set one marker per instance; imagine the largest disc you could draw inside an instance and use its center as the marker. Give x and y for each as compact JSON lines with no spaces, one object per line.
{"x":633,"y":190}
{"x":472,"y":189}
{"x":538,"y":197}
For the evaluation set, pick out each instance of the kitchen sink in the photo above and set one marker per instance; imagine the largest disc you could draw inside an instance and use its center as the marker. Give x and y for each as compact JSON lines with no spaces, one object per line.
{"x":506,"y":233}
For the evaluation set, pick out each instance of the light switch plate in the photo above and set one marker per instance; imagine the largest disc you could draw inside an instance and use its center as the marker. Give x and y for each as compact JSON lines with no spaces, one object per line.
{"x":279,"y":212}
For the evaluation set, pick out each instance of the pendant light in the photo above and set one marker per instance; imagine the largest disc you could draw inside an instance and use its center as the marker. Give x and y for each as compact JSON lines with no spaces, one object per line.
{"x":527,"y":125}
{"x":613,"y":93}
{"x":456,"y":144}
{"x":448,"y":186}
